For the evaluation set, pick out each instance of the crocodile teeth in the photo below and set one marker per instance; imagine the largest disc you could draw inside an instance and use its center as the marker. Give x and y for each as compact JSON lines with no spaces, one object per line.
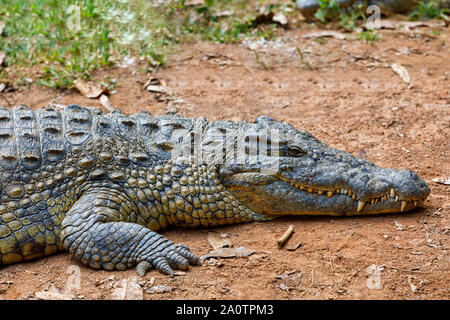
{"x":392,"y":193}
{"x":403,"y":206}
{"x":415,"y":203}
{"x":320,"y":192}
{"x":349,"y":193}
{"x":361,"y":205}
{"x":396,"y":198}
{"x":310,"y":190}
{"x":330,"y":194}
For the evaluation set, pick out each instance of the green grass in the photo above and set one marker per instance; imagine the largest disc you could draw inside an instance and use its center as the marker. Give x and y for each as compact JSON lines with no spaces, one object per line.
{"x":329,"y":11}
{"x":369,"y":35}
{"x":207,"y":23}
{"x":429,"y":10}
{"x":69,"y":39}
{"x":47,"y":32}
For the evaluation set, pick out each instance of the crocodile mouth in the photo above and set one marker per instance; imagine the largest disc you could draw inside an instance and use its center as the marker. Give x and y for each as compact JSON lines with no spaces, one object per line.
{"x":381,"y":203}
{"x":277,"y":195}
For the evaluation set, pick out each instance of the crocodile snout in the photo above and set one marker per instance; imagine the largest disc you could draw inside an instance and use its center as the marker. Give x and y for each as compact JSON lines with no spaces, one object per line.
{"x":409,"y":186}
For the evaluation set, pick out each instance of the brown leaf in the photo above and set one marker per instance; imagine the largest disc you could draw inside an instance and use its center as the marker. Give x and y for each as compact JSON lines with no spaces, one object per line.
{"x":104,"y":100}
{"x":159,"y":289}
{"x":294,"y":247}
{"x":152,"y":81}
{"x":159,"y":89}
{"x":280,"y":18}
{"x":402,"y":72}
{"x":2,"y":27}
{"x":443,"y":180}
{"x":128,"y":289}
{"x":53,"y":294}
{"x":218,"y":241}
{"x":399,"y":226}
{"x":88,"y":89}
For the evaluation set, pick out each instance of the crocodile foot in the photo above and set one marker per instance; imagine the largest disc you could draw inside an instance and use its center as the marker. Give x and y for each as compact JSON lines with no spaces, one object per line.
{"x":176,"y":256}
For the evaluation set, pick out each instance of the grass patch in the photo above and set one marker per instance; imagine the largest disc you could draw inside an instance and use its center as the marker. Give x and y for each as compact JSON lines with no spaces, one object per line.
{"x":347,"y":18}
{"x":429,"y":10}
{"x":70,"y":39}
{"x":369,"y":35}
{"x":230,"y":21}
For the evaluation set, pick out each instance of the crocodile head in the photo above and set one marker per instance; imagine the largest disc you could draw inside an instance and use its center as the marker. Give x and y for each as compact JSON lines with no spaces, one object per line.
{"x":292,"y":173}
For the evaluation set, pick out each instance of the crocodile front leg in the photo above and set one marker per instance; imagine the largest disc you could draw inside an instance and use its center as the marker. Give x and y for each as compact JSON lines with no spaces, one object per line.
{"x":95,"y":232}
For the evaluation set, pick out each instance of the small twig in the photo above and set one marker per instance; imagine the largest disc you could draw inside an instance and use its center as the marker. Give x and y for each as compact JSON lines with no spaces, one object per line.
{"x":415,"y":269}
{"x":285,"y":237}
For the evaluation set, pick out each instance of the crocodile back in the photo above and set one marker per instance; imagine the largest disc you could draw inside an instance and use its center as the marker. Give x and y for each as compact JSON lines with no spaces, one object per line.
{"x":35,"y":183}
{"x":50,"y":156}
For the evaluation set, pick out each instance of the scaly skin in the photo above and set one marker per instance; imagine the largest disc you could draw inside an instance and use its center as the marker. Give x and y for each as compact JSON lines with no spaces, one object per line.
{"x":101,"y":185}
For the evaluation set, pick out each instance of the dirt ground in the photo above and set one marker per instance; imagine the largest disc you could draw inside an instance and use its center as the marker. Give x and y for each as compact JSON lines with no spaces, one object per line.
{"x":353,"y":101}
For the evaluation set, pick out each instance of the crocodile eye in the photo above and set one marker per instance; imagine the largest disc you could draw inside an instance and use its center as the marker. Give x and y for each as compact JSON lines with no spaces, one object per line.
{"x":296,"y":151}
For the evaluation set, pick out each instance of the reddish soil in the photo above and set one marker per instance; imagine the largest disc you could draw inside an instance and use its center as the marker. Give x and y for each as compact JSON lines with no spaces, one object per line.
{"x":352,"y":101}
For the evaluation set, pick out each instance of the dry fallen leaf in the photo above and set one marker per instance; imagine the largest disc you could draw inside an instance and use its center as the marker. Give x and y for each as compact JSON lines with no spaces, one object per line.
{"x":88,"y":89}
{"x":152,"y":81}
{"x":280,"y":18}
{"x":159,"y":289}
{"x":399,"y":226}
{"x":294,"y":247}
{"x":2,"y":27}
{"x":402,"y":72}
{"x":443,"y":180}
{"x":2,"y":87}
{"x":217,"y":241}
{"x":159,"y":89}
{"x":104,"y":100}
{"x":128,"y":289}
{"x":53,"y":294}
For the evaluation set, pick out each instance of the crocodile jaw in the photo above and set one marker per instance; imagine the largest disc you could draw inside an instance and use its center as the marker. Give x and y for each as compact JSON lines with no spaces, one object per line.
{"x":276,"y":195}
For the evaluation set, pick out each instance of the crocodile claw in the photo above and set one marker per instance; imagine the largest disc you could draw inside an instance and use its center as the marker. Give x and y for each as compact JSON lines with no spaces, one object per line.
{"x":173,"y":257}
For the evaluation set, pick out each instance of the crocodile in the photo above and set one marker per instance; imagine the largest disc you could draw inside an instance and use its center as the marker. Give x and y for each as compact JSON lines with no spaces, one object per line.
{"x":101,"y":185}
{"x":387,"y":7}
